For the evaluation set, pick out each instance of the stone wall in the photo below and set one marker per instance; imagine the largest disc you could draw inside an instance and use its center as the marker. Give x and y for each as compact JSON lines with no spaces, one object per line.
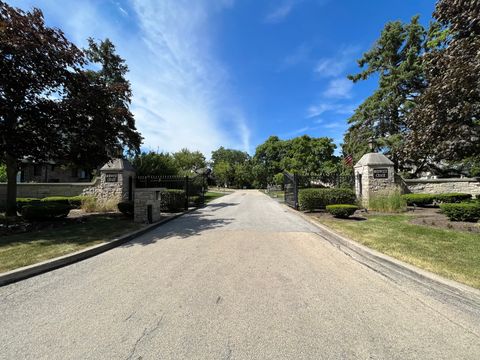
{"x":41,"y":190}
{"x":144,"y":198}
{"x":438,"y":186}
{"x":108,"y":190}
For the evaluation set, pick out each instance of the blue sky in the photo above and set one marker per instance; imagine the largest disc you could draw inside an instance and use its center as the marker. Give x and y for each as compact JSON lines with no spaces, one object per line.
{"x":207,"y":73}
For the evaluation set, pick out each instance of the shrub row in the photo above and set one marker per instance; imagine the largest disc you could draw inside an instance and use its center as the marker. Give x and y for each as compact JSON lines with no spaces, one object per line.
{"x":74,"y":201}
{"x":40,"y":211}
{"x":342,"y":210}
{"x":429,"y":199}
{"x":462,"y":211}
{"x":312,"y":199}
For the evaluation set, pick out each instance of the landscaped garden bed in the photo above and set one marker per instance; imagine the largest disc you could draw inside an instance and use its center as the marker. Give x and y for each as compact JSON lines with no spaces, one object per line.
{"x":424,"y":238}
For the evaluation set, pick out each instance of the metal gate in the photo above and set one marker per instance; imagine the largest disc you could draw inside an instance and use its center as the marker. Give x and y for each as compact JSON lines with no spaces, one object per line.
{"x":290,"y":186}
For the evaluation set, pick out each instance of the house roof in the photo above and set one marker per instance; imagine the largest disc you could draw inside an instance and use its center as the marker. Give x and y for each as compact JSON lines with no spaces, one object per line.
{"x":374,"y":159}
{"x":118,"y":164}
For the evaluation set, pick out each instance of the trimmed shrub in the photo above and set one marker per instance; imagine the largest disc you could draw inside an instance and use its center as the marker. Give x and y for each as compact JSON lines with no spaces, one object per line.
{"x":74,"y":201}
{"x":461,"y":211}
{"x":391,"y":202}
{"x":44,"y":211}
{"x":342,"y":210}
{"x":26,"y":201}
{"x":452,"y":197}
{"x":172,"y":200}
{"x":312,"y":199}
{"x":126,"y":208}
{"x":419,"y":199}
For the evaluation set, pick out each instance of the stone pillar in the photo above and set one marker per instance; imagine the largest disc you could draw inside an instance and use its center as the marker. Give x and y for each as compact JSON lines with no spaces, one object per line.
{"x":374,"y":173}
{"x":116,"y":182}
{"x":145,"y":198}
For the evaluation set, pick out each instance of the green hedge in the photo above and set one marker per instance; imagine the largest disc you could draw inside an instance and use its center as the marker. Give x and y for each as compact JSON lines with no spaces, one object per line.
{"x":126,"y":208}
{"x":429,"y":199}
{"x":26,"y":201}
{"x":312,"y":199}
{"x":462,"y":211}
{"x":44,"y":211}
{"x":452,"y":197}
{"x":342,"y":210}
{"x":172,"y":200}
{"x":419,"y":199}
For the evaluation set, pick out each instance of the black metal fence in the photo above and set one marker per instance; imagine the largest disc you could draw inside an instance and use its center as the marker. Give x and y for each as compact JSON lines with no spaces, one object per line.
{"x":294,"y":182}
{"x":194,"y":187}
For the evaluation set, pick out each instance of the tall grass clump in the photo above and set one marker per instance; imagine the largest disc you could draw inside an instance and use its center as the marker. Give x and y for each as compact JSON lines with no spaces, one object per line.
{"x":391,"y":202}
{"x":91,"y":205}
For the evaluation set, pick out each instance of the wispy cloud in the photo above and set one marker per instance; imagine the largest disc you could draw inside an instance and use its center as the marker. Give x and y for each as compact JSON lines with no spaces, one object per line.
{"x":182,"y":96}
{"x":339,"y":89}
{"x":280,"y":12}
{"x":322,"y":107}
{"x":298,"y":56}
{"x":336,"y":65}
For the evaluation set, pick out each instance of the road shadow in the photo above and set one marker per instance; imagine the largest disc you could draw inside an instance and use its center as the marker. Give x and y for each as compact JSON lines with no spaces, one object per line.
{"x":218,"y":206}
{"x":192,"y":224}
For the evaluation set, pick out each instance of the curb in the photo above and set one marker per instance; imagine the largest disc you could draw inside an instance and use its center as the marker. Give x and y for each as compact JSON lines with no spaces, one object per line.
{"x":58,"y":262}
{"x":461,"y":292}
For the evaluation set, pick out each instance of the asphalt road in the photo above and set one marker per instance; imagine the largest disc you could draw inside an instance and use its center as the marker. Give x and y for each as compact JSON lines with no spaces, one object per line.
{"x":243,"y":278}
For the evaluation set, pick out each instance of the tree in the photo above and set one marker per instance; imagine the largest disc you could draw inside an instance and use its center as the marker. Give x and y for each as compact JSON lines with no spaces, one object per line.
{"x":51,"y":106}
{"x":396,"y":58}
{"x":302,"y":155}
{"x":189,"y":161}
{"x":97,"y":106}
{"x":36,"y":63}
{"x":445,"y":125}
{"x":155,"y":164}
{"x":230,"y":167}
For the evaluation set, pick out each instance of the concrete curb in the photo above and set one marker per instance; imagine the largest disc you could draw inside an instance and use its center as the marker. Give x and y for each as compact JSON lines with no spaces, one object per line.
{"x":380,"y":261}
{"x":55,"y":263}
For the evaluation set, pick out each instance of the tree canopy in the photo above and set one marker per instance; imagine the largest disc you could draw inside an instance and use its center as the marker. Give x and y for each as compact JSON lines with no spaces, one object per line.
{"x":53,"y":106}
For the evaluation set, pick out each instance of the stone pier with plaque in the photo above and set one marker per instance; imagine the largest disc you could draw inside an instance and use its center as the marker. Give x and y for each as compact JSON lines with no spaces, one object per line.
{"x":374,"y":174}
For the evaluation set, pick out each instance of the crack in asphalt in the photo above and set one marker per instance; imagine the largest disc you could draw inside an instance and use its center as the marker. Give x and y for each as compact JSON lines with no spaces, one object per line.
{"x":143,"y":336}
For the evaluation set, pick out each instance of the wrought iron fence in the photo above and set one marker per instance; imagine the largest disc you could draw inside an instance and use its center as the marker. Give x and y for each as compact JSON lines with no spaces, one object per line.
{"x":193,"y":186}
{"x":294,"y":182}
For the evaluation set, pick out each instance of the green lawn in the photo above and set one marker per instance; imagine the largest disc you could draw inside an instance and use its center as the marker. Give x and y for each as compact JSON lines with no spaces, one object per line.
{"x":450,"y":253}
{"x":210,"y":196}
{"x":29,"y":248}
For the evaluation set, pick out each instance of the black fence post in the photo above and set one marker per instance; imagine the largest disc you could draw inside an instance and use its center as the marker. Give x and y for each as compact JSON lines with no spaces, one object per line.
{"x":186,"y":193}
{"x":295,"y":191}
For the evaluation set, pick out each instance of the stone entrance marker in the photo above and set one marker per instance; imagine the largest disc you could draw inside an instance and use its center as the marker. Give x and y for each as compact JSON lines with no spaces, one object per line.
{"x":374,"y":173}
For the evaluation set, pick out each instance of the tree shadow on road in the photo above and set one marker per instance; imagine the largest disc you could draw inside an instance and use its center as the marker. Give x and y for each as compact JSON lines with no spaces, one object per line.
{"x":218,"y":206}
{"x":193,"y":224}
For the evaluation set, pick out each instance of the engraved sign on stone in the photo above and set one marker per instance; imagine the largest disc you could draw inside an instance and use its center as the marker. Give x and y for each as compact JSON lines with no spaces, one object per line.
{"x":381,"y":173}
{"x":111,"y":177}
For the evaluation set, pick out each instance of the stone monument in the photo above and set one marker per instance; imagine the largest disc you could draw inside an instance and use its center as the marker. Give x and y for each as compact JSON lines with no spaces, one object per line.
{"x":374,"y":173}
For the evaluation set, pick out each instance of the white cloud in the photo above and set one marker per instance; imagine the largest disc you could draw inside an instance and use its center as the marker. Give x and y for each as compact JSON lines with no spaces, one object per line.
{"x":181,"y":93}
{"x":323,"y":107}
{"x":336,"y":65}
{"x":281,"y":12}
{"x":339,"y":88}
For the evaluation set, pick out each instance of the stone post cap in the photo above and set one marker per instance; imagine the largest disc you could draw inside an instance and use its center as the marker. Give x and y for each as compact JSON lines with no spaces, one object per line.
{"x":118,"y":165}
{"x":374,"y":159}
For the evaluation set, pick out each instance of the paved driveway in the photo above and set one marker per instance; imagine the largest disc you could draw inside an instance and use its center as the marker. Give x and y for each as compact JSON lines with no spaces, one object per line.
{"x":240,"y":279}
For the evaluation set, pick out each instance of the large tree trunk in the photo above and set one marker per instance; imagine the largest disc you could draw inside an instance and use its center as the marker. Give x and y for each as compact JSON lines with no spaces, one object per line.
{"x":11,"y":164}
